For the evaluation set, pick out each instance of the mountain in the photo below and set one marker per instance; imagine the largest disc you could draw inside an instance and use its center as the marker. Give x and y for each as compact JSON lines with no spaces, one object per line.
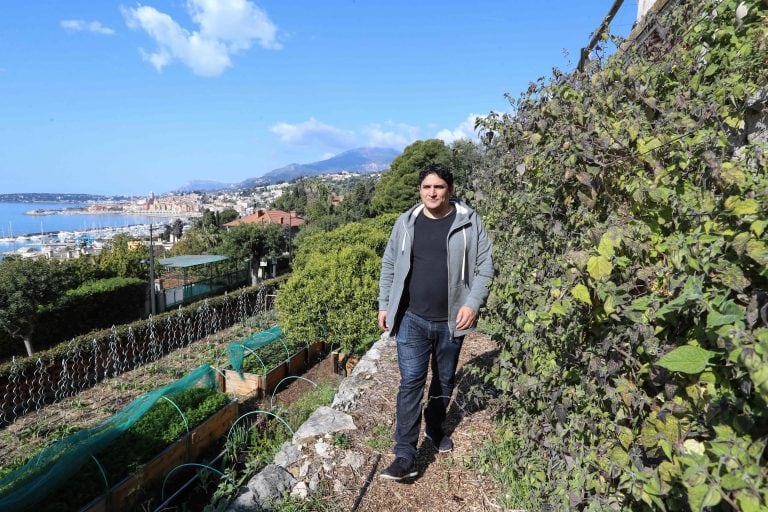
{"x":203,"y":186}
{"x":360,"y":160}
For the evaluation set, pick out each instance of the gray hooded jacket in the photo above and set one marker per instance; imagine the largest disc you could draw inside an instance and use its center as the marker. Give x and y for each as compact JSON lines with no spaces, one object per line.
{"x":470,"y":267}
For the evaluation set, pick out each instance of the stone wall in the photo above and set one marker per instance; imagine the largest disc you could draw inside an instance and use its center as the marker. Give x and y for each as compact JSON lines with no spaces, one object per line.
{"x":311,"y":458}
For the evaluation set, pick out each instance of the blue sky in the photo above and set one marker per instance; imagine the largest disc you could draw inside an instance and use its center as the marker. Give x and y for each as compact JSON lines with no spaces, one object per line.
{"x":109,"y":97}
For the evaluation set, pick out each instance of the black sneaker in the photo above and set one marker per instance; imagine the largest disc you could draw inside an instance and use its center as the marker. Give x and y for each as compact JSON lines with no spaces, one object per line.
{"x":400,"y":469}
{"x":445,"y":445}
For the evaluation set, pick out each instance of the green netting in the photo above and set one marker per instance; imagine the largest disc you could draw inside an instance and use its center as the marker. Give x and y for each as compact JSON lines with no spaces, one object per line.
{"x":56,"y":464}
{"x":238,"y":350}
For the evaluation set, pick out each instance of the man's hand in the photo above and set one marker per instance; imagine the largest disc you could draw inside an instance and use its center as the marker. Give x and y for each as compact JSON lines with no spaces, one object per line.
{"x":465,"y":318}
{"x":383,"y":320}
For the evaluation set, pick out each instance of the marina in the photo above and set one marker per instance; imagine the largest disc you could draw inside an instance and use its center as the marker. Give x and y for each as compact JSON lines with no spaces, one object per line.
{"x":60,"y":229}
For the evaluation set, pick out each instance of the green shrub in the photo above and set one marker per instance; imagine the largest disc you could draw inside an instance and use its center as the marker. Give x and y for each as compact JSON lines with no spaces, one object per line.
{"x":332,"y":296}
{"x":333,"y":289}
{"x":93,"y":305}
{"x":373,"y":233}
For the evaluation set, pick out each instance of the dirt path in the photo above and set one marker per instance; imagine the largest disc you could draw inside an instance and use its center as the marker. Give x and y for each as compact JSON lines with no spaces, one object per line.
{"x":446,"y":481}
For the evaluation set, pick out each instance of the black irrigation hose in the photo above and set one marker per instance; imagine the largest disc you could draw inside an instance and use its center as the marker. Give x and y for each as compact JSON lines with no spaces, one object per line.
{"x":368,"y":480}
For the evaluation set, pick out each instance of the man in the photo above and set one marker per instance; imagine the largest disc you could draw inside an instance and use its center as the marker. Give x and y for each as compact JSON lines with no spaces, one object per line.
{"x":434,"y":279}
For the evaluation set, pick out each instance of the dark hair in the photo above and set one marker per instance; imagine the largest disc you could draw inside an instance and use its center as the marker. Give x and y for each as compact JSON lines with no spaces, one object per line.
{"x":441,"y":170}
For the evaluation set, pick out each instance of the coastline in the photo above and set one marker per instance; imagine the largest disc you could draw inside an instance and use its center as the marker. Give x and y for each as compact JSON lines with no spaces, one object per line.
{"x":141,"y":213}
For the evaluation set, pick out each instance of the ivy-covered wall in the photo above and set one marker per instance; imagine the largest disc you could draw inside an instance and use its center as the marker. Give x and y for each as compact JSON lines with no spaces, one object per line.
{"x":629,"y":207}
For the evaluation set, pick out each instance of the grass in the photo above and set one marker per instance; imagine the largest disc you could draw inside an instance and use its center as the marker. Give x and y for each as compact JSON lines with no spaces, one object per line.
{"x":381,"y":439}
{"x":315,"y":502}
{"x":341,"y":440}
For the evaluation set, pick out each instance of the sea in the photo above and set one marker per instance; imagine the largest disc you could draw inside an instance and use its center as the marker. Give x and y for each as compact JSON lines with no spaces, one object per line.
{"x":19,"y":230}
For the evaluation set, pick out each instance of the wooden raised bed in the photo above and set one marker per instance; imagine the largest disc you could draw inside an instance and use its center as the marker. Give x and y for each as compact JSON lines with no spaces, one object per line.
{"x":298,"y":362}
{"x":129,"y":493}
{"x":253,"y":385}
{"x":315,"y":352}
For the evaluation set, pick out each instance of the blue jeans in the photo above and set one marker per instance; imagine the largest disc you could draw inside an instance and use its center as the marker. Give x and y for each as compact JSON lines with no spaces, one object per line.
{"x":418,"y":341}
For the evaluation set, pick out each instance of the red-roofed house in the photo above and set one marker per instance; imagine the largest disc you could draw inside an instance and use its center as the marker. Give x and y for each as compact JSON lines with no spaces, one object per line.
{"x":270,"y":217}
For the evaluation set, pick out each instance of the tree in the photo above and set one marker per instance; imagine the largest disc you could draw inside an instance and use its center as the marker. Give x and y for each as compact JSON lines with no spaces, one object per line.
{"x":398,"y":188}
{"x":357,"y":201}
{"x":294,"y":198}
{"x":200,"y":239}
{"x":252,"y":242}
{"x":227,"y":215}
{"x":26,"y":285}
{"x":176,"y":229}
{"x":334,"y":285}
{"x":466,"y":158}
{"x":122,"y":258}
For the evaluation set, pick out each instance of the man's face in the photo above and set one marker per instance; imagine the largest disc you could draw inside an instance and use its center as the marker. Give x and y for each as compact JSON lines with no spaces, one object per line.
{"x":435,"y":193}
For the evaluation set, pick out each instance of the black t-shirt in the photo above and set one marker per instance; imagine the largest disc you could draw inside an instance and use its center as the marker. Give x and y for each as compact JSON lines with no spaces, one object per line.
{"x":428,"y":280}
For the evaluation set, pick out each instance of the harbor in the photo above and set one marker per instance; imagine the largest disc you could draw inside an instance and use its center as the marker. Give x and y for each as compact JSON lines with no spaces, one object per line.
{"x":67,"y":231}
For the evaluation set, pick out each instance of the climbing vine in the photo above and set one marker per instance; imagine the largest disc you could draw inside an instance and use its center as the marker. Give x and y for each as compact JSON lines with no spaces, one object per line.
{"x":628,"y":205}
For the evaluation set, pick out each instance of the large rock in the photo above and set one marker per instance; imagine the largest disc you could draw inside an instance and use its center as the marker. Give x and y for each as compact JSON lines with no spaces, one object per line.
{"x":288,"y":455}
{"x":323,"y":421}
{"x":360,"y":379}
{"x":264,"y":490}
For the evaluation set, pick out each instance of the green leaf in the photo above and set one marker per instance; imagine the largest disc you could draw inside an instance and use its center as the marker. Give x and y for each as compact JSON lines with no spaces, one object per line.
{"x":557,"y":308}
{"x":703,"y":495}
{"x":758,"y":227}
{"x":686,"y":359}
{"x":691,"y":294}
{"x":599,"y":267}
{"x":609,"y":305}
{"x":738,"y":206}
{"x":732,"y":176}
{"x":757,"y":250}
{"x":747,"y":501}
{"x":607,"y":245}
{"x":740,"y":242}
{"x":731,"y":276}
{"x":733,"y":481}
{"x":632,"y":131}
{"x":716,"y":319}
{"x":581,"y":293}
{"x":645,"y":146}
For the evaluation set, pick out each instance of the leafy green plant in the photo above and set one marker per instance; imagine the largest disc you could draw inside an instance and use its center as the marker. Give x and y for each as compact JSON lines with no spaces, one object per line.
{"x":628,"y":208}
{"x":155,"y":430}
{"x":268,"y":358}
{"x":332,"y":291}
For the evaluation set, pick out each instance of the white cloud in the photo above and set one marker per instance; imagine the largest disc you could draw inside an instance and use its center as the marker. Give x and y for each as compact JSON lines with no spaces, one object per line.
{"x":86,"y":26}
{"x":313,"y":131}
{"x":225,"y":27}
{"x":465,"y":130}
{"x":238,"y":22}
{"x":391,"y":135}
